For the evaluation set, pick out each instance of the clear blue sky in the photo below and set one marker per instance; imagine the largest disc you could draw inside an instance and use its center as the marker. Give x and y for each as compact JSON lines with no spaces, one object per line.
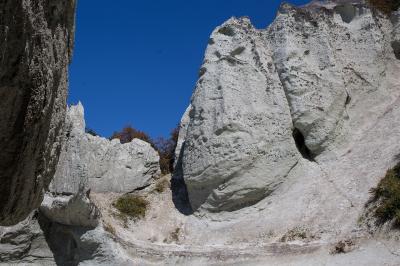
{"x":136,"y":62}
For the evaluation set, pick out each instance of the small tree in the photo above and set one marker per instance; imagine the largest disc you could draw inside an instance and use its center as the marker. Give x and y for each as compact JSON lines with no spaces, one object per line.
{"x":166,"y":149}
{"x":129,"y":133}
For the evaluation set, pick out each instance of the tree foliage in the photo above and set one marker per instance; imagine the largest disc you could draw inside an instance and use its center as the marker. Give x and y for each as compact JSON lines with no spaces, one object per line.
{"x":128,"y":133}
{"x":166,"y":149}
{"x":385,"y":6}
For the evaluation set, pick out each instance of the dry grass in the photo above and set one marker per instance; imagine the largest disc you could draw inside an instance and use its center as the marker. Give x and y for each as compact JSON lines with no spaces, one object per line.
{"x":132,"y":206}
{"x":109,"y":228}
{"x":295,"y":234}
{"x":387,"y":193}
{"x":162,"y":185}
{"x":343,"y":247}
{"x":175,"y":235}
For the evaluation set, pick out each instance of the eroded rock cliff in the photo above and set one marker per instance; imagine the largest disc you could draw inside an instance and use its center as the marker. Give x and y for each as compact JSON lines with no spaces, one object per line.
{"x":94,"y":164}
{"x":293,"y":98}
{"x":36,"y":46}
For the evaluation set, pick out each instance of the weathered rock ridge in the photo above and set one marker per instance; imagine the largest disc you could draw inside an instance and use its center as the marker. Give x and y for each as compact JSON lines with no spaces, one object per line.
{"x":289,"y":98}
{"x":37,"y":39}
{"x":100,"y":164}
{"x":94,"y":164}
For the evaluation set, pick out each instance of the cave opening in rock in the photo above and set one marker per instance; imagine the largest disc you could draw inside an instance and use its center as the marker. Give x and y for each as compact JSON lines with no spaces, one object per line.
{"x":301,"y":145}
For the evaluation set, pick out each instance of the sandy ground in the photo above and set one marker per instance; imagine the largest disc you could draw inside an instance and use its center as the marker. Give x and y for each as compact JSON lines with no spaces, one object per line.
{"x":165,"y":237}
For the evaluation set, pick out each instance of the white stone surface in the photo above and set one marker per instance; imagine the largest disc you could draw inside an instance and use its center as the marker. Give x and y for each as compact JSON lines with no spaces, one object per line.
{"x":102,"y":165}
{"x":327,"y":70}
{"x":183,"y":125}
{"x":94,"y":164}
{"x":24,"y":244}
{"x":116,"y":167}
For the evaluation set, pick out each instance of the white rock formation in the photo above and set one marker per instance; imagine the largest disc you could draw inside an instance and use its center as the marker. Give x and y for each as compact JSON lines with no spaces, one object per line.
{"x":102,"y":165}
{"x":288,"y":130}
{"x":94,"y":164}
{"x":183,"y":125}
{"x":289,"y":100}
{"x":122,"y":168}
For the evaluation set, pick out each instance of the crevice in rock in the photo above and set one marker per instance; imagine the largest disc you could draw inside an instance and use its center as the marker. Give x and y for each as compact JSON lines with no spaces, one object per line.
{"x":348,"y":100}
{"x":140,"y":188}
{"x":301,"y":145}
{"x":396,"y":49}
{"x":180,"y":196}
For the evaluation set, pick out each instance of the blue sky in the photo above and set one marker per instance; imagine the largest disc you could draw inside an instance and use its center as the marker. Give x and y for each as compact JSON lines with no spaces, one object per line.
{"x":136,"y":61}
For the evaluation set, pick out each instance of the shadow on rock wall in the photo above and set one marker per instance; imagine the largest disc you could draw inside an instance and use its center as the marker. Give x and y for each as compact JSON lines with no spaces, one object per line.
{"x":66,"y":242}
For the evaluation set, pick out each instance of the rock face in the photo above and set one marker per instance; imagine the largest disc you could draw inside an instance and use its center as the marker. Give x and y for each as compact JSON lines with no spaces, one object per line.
{"x":299,"y":91}
{"x":102,"y":165}
{"x":93,"y":164}
{"x":25,"y":243}
{"x":67,"y":201}
{"x":121,"y":168}
{"x":67,"y":228}
{"x":36,"y":47}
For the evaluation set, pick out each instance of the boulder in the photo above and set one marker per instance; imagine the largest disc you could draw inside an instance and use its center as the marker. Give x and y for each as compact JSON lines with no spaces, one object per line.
{"x":25,"y":243}
{"x":35,"y":51}
{"x":120,"y":168}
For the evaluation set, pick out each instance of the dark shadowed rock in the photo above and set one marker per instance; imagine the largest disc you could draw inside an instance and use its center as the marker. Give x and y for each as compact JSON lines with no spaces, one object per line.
{"x":35,"y":50}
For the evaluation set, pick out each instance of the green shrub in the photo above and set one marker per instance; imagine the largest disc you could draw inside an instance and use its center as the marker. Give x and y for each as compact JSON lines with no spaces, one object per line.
{"x":388,"y":192}
{"x":133,"y":206}
{"x":385,"y":6}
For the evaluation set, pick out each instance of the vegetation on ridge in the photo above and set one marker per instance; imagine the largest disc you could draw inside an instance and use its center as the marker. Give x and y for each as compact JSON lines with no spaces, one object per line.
{"x":385,"y":6}
{"x":133,"y":206}
{"x":128,"y":133}
{"x":388,"y":194}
